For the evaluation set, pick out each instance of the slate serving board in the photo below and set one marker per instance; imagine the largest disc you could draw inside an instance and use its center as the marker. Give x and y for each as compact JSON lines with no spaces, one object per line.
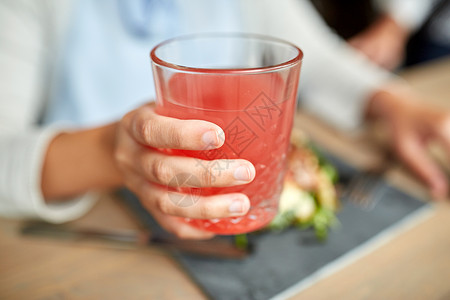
{"x":284,"y":263}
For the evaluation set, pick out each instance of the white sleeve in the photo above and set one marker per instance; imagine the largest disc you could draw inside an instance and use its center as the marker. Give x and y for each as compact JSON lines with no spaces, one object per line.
{"x":24,"y":45}
{"x":335,"y":80}
{"x":410,"y":14}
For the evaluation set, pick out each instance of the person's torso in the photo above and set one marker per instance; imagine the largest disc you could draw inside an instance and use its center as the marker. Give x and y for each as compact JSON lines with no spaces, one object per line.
{"x":104,"y":68}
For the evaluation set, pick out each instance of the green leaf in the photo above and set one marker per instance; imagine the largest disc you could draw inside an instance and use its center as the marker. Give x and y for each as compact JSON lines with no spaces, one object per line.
{"x":282,"y":221}
{"x":331,"y":172}
{"x":241,"y":241}
{"x":324,"y":220}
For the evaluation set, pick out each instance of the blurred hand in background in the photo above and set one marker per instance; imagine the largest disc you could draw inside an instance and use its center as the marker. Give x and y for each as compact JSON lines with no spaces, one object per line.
{"x":384,"y":42}
{"x":412,"y":125}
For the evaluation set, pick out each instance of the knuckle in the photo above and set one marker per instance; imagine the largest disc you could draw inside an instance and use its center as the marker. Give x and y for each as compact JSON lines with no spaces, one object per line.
{"x":120,"y":156}
{"x":145,"y":130}
{"x":175,"y":136}
{"x":160,"y":171}
{"x":142,"y":128}
{"x":164,"y":205}
{"x":206,"y":210}
{"x":181,"y":233}
{"x":207,"y":175}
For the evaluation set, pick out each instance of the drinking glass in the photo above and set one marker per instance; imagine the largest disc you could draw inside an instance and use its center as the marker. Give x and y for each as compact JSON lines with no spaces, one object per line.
{"x":247,"y":84}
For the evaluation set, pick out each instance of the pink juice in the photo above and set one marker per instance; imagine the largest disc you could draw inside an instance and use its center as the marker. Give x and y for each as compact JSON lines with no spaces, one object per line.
{"x":256,"y":113}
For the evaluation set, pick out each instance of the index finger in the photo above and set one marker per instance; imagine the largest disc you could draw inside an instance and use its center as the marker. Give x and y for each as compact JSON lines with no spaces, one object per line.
{"x":413,"y":153}
{"x":151,"y":129}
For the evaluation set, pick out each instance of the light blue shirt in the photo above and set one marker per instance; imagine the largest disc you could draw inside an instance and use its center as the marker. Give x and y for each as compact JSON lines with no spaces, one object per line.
{"x":105,"y":66}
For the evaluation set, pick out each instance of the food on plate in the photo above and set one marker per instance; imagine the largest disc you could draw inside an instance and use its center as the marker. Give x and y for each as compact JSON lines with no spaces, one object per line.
{"x":309,"y":196}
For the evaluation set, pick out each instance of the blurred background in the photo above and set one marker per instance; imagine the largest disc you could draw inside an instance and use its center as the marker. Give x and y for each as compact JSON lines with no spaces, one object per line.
{"x":427,"y":38}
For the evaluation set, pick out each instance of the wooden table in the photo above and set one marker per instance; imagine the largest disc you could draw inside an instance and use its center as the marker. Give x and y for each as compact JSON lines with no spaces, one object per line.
{"x":415,"y":265}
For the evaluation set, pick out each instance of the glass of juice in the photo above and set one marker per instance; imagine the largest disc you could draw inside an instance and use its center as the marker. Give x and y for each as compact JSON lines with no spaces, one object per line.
{"x":247,"y":84}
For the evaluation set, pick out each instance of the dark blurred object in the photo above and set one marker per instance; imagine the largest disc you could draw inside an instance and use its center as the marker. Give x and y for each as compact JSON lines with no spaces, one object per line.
{"x":349,"y":17}
{"x":217,"y":248}
{"x":433,"y":38}
{"x":346,"y":17}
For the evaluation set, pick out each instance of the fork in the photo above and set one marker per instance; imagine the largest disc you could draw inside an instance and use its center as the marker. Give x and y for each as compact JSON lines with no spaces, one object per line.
{"x":362,"y":186}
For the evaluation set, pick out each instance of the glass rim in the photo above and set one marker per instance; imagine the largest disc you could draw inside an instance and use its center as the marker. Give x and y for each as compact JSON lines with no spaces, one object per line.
{"x":291,"y":62}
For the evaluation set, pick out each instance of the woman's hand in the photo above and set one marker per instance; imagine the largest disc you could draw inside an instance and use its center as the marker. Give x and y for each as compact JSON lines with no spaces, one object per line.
{"x":148,"y":172}
{"x":412,"y":125}
{"x":124,"y":153}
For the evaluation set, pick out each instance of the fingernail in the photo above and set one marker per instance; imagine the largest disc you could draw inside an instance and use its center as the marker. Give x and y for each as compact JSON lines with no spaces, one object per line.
{"x":243,"y":173}
{"x":211,"y":139}
{"x":236,"y":207}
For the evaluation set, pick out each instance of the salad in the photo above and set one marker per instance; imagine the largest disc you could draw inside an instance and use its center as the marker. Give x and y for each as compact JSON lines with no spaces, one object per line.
{"x":309,"y":198}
